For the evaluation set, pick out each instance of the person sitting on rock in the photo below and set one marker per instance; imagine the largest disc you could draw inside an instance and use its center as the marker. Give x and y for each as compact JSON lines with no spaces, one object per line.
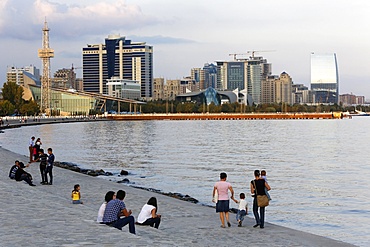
{"x":22,"y":175}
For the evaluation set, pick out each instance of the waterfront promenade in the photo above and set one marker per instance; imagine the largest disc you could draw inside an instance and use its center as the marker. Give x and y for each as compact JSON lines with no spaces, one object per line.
{"x":44,"y":216}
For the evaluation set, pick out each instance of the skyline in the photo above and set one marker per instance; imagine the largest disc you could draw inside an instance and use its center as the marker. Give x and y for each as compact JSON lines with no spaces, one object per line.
{"x":197,"y":32}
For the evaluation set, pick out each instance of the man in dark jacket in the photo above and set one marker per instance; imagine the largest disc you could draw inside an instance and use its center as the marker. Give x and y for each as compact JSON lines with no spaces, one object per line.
{"x":13,"y":170}
{"x":22,"y":175}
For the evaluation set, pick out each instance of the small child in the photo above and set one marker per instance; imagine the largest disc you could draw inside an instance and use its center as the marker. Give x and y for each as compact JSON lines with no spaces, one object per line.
{"x":242,"y":209}
{"x":76,"y":196}
{"x":263,"y":175}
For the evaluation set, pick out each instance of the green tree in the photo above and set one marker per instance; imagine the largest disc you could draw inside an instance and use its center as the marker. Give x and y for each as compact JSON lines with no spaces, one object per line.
{"x":13,"y":93}
{"x":30,"y":108}
{"x":6,"y":108}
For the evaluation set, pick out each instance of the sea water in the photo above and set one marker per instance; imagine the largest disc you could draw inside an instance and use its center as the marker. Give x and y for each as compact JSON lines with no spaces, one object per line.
{"x":318,"y":170}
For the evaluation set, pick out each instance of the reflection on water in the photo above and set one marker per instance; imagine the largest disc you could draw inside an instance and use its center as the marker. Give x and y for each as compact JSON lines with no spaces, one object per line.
{"x":317,"y":169}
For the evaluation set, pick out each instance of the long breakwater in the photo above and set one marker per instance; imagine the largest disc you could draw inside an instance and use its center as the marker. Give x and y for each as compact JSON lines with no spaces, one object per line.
{"x":225,"y":116}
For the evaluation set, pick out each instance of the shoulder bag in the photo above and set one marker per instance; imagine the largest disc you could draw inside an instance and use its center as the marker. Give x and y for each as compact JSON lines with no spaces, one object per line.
{"x":262,"y":200}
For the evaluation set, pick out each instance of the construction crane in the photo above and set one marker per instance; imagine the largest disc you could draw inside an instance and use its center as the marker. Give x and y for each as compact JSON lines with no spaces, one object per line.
{"x":253,"y":52}
{"x":237,"y":54}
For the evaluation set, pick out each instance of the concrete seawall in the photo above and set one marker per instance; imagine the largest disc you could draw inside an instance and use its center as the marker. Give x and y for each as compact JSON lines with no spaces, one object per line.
{"x":44,"y":216}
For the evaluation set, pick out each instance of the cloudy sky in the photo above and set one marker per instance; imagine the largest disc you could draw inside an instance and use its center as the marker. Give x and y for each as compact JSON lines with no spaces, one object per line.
{"x":189,"y":33}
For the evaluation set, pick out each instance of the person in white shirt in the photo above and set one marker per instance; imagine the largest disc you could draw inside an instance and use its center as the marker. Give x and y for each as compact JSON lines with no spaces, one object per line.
{"x":110,"y":195}
{"x":242,"y":209}
{"x":30,"y":147}
{"x":148,"y":214}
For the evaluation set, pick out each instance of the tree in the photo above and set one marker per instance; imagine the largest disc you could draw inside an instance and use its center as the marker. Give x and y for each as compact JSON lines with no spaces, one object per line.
{"x":6,"y":108}
{"x":30,"y":108}
{"x":13,"y":93}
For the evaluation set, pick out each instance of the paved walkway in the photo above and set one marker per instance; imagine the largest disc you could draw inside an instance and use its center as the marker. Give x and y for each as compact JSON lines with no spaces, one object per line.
{"x":44,"y":216}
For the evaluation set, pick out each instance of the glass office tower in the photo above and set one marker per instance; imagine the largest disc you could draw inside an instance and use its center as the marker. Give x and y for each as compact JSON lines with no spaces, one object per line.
{"x":324,"y":78}
{"x":121,"y":58}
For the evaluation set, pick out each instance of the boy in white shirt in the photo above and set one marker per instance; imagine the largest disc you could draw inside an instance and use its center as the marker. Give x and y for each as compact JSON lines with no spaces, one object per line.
{"x":242,"y":209}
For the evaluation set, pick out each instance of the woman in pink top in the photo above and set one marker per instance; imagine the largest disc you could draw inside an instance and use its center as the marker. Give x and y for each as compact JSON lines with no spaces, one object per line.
{"x":222,"y":205}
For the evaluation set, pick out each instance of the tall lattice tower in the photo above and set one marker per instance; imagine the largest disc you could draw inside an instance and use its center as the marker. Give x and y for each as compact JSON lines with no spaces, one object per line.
{"x":45,"y":53}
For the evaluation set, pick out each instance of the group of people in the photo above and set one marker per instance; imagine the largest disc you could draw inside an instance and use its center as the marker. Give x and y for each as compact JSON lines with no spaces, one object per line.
{"x":113,"y":212}
{"x":37,"y":154}
{"x":258,"y":187}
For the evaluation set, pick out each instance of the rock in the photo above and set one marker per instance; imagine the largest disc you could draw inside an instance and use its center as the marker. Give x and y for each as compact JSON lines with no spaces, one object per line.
{"x":108,"y":174}
{"x":124,"y":173}
{"x":124,"y":181}
{"x":92,"y":173}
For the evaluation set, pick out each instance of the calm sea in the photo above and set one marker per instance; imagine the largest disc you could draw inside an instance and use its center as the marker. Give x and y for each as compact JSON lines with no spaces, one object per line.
{"x":319,"y":170}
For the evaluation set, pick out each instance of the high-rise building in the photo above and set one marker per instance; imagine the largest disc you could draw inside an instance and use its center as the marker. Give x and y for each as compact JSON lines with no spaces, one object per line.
{"x":210,"y":76}
{"x":283,"y":89}
{"x":243,"y":74}
{"x":17,"y":75}
{"x":118,"y":57}
{"x":324,"y":77}
{"x":158,"y":88}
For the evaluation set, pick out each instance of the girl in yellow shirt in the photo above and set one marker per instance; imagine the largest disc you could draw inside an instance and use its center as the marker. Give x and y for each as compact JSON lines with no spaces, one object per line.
{"x":76,"y":196}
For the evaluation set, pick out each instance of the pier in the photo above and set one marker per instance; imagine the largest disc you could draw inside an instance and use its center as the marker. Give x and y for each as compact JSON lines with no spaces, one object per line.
{"x":225,"y":116}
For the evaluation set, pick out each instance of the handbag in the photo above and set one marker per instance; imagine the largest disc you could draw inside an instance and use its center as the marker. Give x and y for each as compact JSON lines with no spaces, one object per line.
{"x":262,"y":200}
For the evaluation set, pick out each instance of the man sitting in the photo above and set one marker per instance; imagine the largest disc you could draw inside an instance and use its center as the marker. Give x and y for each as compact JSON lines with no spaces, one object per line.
{"x":116,"y":208}
{"x":22,"y":175}
{"x":13,"y":170}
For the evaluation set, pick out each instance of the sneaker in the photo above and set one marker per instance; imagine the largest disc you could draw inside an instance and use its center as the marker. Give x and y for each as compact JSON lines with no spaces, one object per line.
{"x":239,"y":224}
{"x":256,"y":225}
{"x":32,"y":185}
{"x":42,"y":182}
{"x":222,"y":226}
{"x":228,"y":224}
{"x":262,"y":227}
{"x":50,"y":183}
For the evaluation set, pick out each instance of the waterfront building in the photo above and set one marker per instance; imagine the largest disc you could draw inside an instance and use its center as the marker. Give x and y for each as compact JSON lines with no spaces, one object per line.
{"x":243,"y":74}
{"x":302,"y":95}
{"x":171,"y":89}
{"x":118,"y":57}
{"x":351,"y":99}
{"x":324,"y":78}
{"x":283,"y":89}
{"x":268,"y":89}
{"x":122,"y":88}
{"x":210,"y":76}
{"x":22,"y":76}
{"x":208,"y":96}
{"x":158,"y":88}
{"x":197,"y":75}
{"x":64,"y":78}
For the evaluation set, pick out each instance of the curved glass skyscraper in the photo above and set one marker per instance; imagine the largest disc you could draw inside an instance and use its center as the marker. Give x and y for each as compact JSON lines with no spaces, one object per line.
{"x":324,"y":77}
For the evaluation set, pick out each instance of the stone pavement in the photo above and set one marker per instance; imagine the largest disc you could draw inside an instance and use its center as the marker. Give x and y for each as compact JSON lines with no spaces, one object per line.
{"x":44,"y":216}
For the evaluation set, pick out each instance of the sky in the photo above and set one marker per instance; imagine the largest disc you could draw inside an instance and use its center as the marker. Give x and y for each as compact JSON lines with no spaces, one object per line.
{"x":186,"y":34}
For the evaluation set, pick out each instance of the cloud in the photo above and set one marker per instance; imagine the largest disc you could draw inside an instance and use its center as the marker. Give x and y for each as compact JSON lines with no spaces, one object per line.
{"x":24,"y":19}
{"x":159,"y":39}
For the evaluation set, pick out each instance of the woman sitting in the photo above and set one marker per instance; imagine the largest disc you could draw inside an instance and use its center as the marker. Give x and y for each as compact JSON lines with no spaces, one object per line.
{"x":109,"y":196}
{"x":148,"y":214}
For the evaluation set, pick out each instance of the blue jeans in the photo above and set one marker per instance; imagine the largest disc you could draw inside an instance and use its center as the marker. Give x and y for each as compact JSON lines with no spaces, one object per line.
{"x":260,"y":219}
{"x":240,"y":215}
{"x":124,"y":221}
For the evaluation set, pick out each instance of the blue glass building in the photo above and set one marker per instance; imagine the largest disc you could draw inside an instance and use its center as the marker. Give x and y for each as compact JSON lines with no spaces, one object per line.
{"x":324,"y":78}
{"x":121,"y":58}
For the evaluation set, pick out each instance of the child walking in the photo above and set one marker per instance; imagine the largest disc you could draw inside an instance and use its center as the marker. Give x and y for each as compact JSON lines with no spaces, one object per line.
{"x":76,"y":195}
{"x":263,"y":175}
{"x":242,"y":209}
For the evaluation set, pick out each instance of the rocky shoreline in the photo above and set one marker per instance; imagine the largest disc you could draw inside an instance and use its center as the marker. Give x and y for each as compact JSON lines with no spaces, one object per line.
{"x":101,"y":172}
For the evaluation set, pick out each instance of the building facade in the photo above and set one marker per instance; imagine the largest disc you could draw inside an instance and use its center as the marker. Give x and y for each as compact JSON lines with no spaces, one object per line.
{"x":122,"y":88}
{"x":324,"y":78}
{"x":243,"y":74}
{"x":118,"y":57}
{"x":19,"y":75}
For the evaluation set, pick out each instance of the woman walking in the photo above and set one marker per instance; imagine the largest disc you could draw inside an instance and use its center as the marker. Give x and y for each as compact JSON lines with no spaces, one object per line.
{"x":257,"y":187}
{"x":222,"y":206}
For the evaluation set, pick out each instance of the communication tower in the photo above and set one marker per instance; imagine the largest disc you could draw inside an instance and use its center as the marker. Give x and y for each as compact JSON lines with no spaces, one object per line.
{"x":45,"y":53}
